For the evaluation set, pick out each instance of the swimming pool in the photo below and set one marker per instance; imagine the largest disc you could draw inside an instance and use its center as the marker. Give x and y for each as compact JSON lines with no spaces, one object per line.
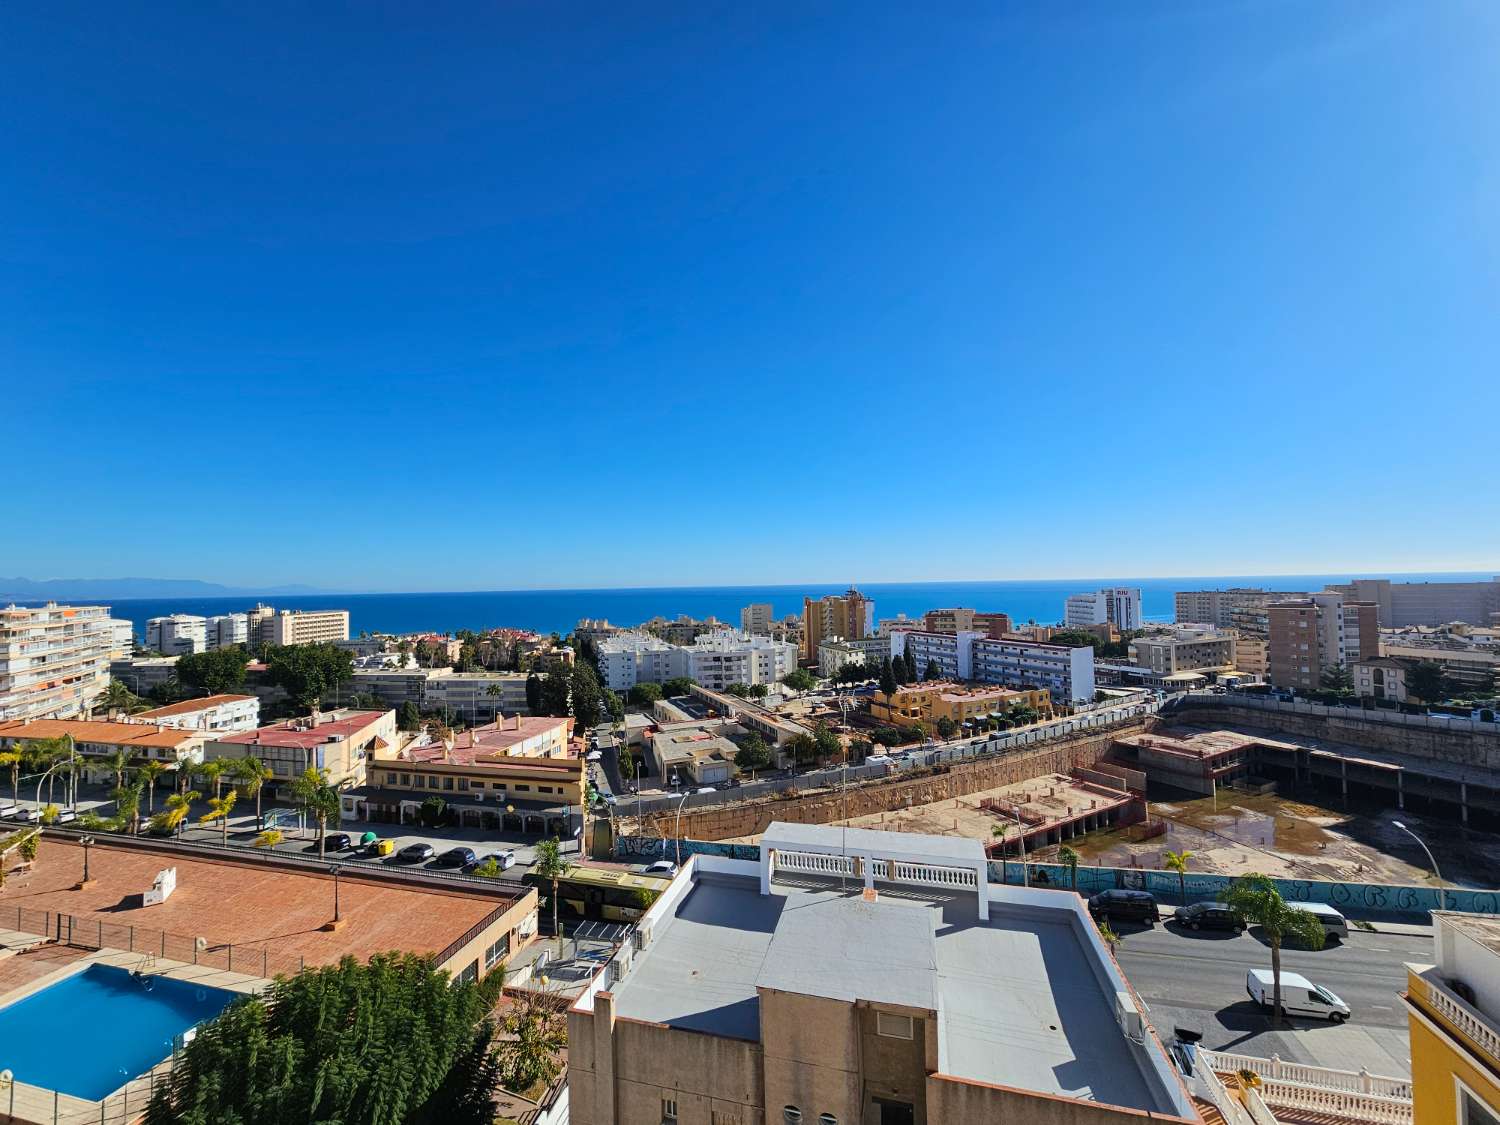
{"x":90,"y":1033}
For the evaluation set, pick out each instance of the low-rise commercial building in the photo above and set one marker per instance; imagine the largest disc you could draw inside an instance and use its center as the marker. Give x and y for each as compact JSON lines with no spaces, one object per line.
{"x":212,"y":714}
{"x":857,"y":976}
{"x":1185,"y":650}
{"x":143,"y":674}
{"x":931,"y":701}
{"x":514,"y":774}
{"x":692,"y":756}
{"x":338,"y":742}
{"x":54,"y":659}
{"x":96,"y":739}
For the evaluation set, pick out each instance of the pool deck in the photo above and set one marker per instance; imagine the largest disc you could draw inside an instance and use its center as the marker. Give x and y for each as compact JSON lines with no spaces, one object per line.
{"x":44,"y":965}
{"x":246,"y":903}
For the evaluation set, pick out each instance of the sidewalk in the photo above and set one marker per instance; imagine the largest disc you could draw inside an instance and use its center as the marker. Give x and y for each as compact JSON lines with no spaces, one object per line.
{"x":1405,"y":928}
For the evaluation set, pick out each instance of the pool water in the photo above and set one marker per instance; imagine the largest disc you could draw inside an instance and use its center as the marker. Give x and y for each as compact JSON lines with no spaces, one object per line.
{"x":90,"y":1033}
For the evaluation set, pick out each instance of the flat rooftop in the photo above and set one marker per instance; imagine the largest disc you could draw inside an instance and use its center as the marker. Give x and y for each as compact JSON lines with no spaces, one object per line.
{"x":250,"y":904}
{"x":1020,"y":1000}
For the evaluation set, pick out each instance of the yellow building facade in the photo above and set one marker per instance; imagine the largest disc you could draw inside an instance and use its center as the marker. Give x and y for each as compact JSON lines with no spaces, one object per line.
{"x":931,"y":700}
{"x":1453,"y":1009}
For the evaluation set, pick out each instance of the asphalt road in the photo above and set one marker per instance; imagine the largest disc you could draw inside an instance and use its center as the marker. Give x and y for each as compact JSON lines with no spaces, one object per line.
{"x":1197,"y":981}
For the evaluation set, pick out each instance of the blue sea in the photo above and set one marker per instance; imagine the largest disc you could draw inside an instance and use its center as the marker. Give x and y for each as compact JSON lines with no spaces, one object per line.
{"x":560,"y":610}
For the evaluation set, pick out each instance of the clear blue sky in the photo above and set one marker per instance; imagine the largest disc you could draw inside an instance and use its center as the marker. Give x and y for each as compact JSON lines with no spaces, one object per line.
{"x":495,"y":295}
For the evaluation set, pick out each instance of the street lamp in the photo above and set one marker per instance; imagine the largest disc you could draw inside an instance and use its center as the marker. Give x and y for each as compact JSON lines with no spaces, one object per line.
{"x":677,"y":830}
{"x":1442,"y":893}
{"x":87,"y":842}
{"x":337,"y":920}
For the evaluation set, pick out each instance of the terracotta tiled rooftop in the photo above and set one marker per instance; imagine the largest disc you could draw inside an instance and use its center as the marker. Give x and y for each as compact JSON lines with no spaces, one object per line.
{"x":189,"y":706}
{"x":250,"y":903}
{"x":87,"y":730}
{"x":296,"y":732}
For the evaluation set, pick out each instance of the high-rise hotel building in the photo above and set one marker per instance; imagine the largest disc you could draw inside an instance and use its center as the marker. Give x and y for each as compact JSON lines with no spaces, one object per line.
{"x":54,"y":659}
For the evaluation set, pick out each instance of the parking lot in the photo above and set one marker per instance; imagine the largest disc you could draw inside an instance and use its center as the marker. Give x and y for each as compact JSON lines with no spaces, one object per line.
{"x":1196,"y":980}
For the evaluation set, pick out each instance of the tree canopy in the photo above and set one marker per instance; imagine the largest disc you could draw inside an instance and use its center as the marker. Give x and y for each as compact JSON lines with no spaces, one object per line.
{"x":587,"y":696}
{"x":1424,"y":680}
{"x":645,"y":694}
{"x":391,"y":1042}
{"x":309,"y":672}
{"x":213,"y":672}
{"x":753,"y":753}
{"x":800,"y":679}
{"x":677,"y":685}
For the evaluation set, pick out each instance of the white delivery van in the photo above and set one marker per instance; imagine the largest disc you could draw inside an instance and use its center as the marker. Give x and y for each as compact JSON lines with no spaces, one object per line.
{"x":1335,"y":925}
{"x":1299,"y":996}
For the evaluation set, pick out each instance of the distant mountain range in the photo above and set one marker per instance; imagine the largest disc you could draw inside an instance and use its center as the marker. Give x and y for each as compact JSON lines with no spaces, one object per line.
{"x":33,"y":590}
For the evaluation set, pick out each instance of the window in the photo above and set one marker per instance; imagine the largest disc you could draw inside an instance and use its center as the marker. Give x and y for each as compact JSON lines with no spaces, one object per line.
{"x":406,"y":779}
{"x":1473,"y":1111}
{"x":893,"y":1026}
{"x":496,"y":952}
{"x":463,"y":783}
{"x":827,"y":1119}
{"x":523,"y":789}
{"x":668,"y":1110}
{"x":390,"y":779}
{"x":448,"y":783}
{"x":791,"y":1114}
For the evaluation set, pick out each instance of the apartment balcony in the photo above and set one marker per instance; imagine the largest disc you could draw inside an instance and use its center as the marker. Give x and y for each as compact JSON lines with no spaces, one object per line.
{"x":1436,"y":996}
{"x":1248,"y":1090}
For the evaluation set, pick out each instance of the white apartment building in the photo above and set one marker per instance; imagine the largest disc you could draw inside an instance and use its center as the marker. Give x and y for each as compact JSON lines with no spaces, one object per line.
{"x":719,"y":659}
{"x":1184,"y":650}
{"x":214,"y":713}
{"x":756,"y":618}
{"x":465,"y":694}
{"x":953,"y":653}
{"x":54,"y":659}
{"x":834,"y":653}
{"x":228,"y":629}
{"x":1068,"y":673}
{"x":179,"y":634}
{"x":1119,"y":606}
{"x":122,"y":638}
{"x":304,"y":626}
{"x":631,"y":658}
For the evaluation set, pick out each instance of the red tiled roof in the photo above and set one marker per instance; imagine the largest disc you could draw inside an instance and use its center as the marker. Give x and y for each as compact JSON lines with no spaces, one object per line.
{"x":291,"y":733}
{"x":189,"y":706}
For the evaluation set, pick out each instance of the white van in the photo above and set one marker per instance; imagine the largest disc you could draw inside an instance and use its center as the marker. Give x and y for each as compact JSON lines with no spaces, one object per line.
{"x":1335,"y":926}
{"x":1299,"y":996}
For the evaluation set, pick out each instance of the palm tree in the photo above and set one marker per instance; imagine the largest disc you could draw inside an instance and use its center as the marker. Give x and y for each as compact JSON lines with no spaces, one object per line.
{"x":13,"y":758}
{"x":147,"y":775}
{"x":1178,"y":862}
{"x":269,"y":838}
{"x":212,"y":770}
{"x":251,"y":775}
{"x":1257,"y":900}
{"x":218,"y":809}
{"x":118,"y":697}
{"x":41,"y":754}
{"x":118,"y":762}
{"x":494,"y":692}
{"x":128,"y":806}
{"x":318,"y":798}
{"x":175,"y":812}
{"x":553,"y":867}
{"x":1069,"y":859}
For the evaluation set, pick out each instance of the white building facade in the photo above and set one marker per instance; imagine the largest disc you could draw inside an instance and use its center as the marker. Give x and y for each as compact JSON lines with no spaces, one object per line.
{"x":215,"y":714}
{"x":631,"y":658}
{"x":54,"y":659}
{"x":1119,"y":606}
{"x":180,"y":634}
{"x":717,"y":660}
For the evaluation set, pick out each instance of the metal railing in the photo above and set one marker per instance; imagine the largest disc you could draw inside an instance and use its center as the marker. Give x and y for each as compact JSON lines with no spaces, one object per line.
{"x":1356,"y":1081}
{"x":96,"y":933}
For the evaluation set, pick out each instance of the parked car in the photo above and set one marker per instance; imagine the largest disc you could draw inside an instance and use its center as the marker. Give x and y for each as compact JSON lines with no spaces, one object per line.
{"x":457,"y":857}
{"x":416,"y":853}
{"x":661,"y":867}
{"x":1335,"y":925}
{"x":506,"y":860}
{"x":1125,"y":906}
{"x":8,"y":810}
{"x":1210,"y":916}
{"x":1299,"y":996}
{"x":337,"y":842}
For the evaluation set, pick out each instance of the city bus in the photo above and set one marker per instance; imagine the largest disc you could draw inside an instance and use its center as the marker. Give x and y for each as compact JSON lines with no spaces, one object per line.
{"x":599,"y":894}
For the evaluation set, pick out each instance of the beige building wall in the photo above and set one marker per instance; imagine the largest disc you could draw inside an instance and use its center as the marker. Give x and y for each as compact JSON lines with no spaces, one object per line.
{"x":294,"y":627}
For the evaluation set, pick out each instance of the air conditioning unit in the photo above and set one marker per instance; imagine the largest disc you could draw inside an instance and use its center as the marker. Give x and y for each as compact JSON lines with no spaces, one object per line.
{"x":643,"y":934}
{"x":1128,"y":1016}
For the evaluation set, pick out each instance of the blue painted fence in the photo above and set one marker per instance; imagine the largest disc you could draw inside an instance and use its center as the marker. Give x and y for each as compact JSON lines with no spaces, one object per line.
{"x":1357,"y":899}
